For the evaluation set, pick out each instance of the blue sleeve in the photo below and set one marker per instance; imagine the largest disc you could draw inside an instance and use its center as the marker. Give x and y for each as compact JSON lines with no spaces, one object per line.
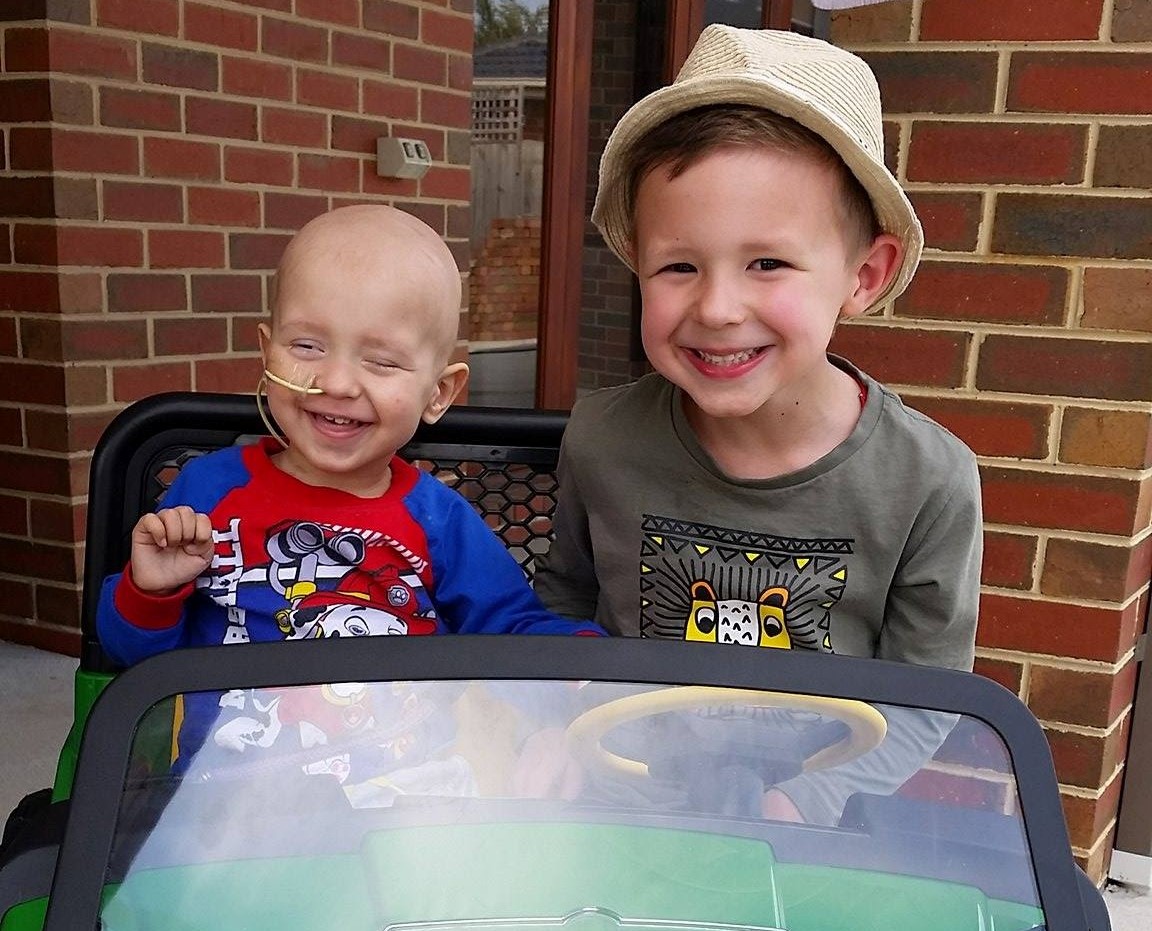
{"x":478,"y":586}
{"x":200,"y":484}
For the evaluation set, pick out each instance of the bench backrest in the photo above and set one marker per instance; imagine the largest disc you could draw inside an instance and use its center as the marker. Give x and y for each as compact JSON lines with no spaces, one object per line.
{"x":503,"y":460}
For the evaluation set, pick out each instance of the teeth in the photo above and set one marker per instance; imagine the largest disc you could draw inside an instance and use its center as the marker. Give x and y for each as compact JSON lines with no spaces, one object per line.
{"x":732,"y":358}
{"x":339,"y":421}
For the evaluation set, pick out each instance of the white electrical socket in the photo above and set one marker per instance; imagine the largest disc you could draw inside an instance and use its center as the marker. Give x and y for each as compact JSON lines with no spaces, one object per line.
{"x":401,"y":158}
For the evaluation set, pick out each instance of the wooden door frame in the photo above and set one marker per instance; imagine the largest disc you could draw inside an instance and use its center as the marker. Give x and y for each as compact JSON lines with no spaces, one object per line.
{"x":563,"y":224}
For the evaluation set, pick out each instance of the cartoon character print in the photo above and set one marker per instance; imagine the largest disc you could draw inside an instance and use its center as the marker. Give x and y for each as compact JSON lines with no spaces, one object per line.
{"x":712,"y":584}
{"x":363,"y":604}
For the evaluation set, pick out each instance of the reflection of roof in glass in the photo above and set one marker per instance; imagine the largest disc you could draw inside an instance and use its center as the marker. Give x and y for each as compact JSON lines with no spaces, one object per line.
{"x":525,"y":57}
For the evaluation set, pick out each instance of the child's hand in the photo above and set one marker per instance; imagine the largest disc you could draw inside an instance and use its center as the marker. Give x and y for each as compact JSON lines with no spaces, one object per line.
{"x":170,"y":548}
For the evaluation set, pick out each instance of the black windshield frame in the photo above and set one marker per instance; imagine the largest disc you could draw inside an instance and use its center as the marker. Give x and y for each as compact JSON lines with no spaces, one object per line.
{"x":105,"y":751}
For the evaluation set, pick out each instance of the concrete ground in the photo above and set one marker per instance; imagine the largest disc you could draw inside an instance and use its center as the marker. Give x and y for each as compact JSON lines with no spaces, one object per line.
{"x":36,"y":712}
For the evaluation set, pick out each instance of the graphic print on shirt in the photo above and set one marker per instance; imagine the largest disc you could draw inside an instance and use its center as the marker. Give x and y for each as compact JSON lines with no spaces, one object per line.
{"x":706,"y":583}
{"x":323,"y":580}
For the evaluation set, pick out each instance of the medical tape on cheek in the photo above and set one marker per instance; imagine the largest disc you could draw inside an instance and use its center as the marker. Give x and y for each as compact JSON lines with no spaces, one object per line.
{"x":292,"y":384}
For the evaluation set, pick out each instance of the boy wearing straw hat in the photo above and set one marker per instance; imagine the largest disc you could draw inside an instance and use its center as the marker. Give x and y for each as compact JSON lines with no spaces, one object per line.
{"x":754,"y":489}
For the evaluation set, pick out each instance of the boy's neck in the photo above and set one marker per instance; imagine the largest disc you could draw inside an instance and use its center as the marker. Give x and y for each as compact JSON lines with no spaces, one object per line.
{"x":785,"y":435}
{"x":362,"y":484}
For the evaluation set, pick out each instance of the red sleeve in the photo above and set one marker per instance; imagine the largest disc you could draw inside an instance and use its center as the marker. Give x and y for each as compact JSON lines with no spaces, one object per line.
{"x":143,"y":609}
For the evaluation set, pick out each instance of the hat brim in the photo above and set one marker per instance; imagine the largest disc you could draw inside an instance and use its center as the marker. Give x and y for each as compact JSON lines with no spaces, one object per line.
{"x":612,"y":214}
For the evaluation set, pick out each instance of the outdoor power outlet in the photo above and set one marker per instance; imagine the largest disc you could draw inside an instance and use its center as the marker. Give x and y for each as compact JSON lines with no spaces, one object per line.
{"x":401,"y":158}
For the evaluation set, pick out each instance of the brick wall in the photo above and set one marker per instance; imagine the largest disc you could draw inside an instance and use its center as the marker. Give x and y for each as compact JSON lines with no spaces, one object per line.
{"x":504,"y":285}
{"x":155,"y":157}
{"x":1025,"y":141}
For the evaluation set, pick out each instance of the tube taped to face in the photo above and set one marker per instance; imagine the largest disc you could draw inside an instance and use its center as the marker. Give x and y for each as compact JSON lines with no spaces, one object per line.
{"x":307,"y":387}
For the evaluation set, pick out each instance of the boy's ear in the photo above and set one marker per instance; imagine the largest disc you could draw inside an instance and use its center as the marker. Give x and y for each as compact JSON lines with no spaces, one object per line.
{"x":451,"y":382}
{"x":263,"y":336}
{"x":874,"y":270}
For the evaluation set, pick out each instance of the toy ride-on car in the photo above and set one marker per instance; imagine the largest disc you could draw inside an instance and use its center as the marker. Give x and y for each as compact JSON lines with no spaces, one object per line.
{"x":533,"y":783}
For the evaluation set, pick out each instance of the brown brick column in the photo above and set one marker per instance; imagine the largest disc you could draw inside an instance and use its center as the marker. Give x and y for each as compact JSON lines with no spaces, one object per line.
{"x":1025,"y":143}
{"x":156,"y":157}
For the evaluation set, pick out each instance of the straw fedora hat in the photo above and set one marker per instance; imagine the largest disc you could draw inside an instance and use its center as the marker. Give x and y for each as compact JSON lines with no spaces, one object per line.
{"x":828,"y":90}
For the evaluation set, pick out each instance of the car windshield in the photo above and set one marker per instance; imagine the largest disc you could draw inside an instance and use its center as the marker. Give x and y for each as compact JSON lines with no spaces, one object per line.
{"x":541,"y":803}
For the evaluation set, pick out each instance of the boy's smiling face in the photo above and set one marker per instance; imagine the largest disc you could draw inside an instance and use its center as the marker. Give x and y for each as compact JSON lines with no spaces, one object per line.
{"x":366,"y":312}
{"x":745,"y":266}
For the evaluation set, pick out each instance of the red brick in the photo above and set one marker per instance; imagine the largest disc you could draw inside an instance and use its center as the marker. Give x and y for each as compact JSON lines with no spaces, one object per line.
{"x":934,"y":82}
{"x":14,"y":512}
{"x":134,"y":109}
{"x":41,"y":636}
{"x":1087,"y":760}
{"x":228,"y":293}
{"x":181,"y":158}
{"x":997,"y":153}
{"x":190,"y":336}
{"x":1117,"y":299}
{"x":1131,"y":22}
{"x":230,"y":119}
{"x":1080,"y":82}
{"x":146,"y":293}
{"x":293,"y":127}
{"x":55,"y":521}
{"x":86,"y":385}
{"x":70,"y":52}
{"x":1115,"y":439}
{"x":78,"y":245}
{"x":29,"y":292}
{"x":252,"y":78}
{"x":446,"y":30}
{"x":442,"y":108}
{"x":131,"y":200}
{"x":392,"y":17}
{"x":1009,"y":675}
{"x":132,"y":382}
{"x":447,"y":183}
{"x":215,"y":26}
{"x":81,"y":293}
{"x":39,"y":148}
{"x":329,"y":173}
{"x":11,"y":434}
{"x":1011,"y":21}
{"x":1009,"y":560}
{"x":1087,"y":699}
{"x":59,"y":432}
{"x":885,"y":23}
{"x":244,"y":334}
{"x":28,"y":197}
{"x":1071,"y":225}
{"x":323,"y":89}
{"x":356,"y":135}
{"x":185,"y":249}
{"x":33,"y":383}
{"x":292,"y":211}
{"x":256,"y":250}
{"x":29,"y":558}
{"x":460,"y":72}
{"x":1123,"y":157}
{"x":933,"y":358}
{"x":1027,"y":498}
{"x":353,"y":50}
{"x":984,"y":293}
{"x":340,"y":12}
{"x":282,"y":6}
{"x":1079,"y":368}
{"x":58,"y":604}
{"x":951,"y":221}
{"x":180,"y":67}
{"x":257,"y":166}
{"x":992,"y":428}
{"x":157,"y":17}
{"x":391,"y":100}
{"x":1055,"y":628}
{"x":292,"y":40}
{"x":90,"y":340}
{"x":219,"y":206}
{"x":420,"y":65}
{"x":229,"y":375}
{"x":26,"y":100}
{"x":1082,"y":569}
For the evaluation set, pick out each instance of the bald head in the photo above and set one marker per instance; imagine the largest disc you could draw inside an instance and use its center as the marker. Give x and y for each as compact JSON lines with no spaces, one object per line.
{"x":375,"y":243}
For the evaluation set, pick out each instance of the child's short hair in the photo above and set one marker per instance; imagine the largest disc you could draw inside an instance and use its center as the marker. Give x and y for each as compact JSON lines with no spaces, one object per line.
{"x":688,"y":137}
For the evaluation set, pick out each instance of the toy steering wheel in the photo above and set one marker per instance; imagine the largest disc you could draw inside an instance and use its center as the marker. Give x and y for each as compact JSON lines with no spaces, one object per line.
{"x":866,"y":725}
